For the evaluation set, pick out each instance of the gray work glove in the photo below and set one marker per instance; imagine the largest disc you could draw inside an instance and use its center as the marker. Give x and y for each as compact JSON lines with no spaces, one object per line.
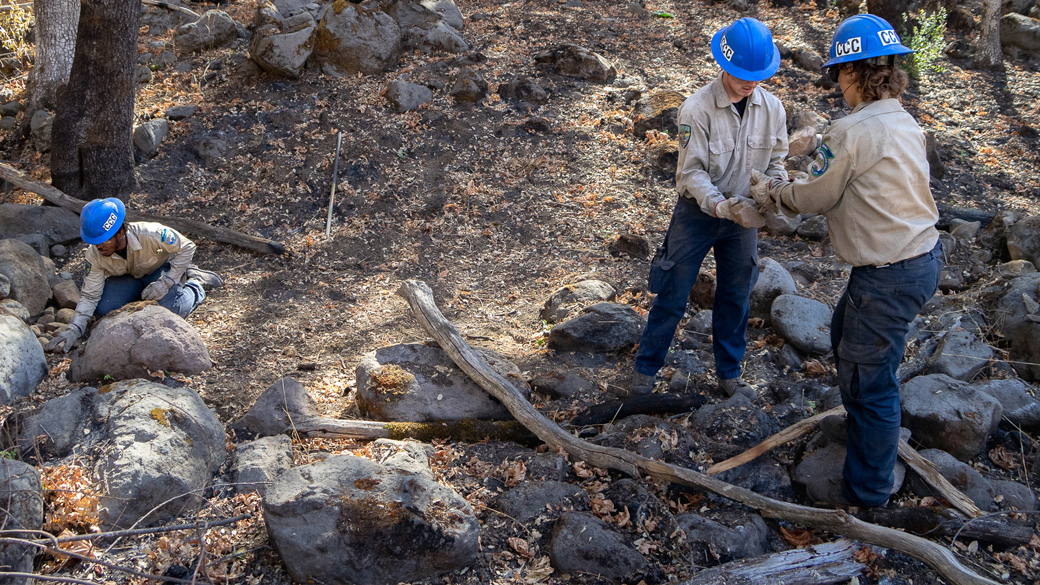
{"x":70,"y":337}
{"x":765,"y":190}
{"x":740,"y":210}
{"x":158,"y":289}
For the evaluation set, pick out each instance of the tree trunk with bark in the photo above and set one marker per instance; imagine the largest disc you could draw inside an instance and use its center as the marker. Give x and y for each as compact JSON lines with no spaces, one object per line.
{"x":92,"y":154}
{"x":890,"y":10}
{"x":56,"y":24}
{"x":988,"y":55}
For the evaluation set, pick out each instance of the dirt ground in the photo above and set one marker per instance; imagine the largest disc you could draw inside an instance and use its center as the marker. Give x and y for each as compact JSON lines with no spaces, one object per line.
{"x":492,"y":205}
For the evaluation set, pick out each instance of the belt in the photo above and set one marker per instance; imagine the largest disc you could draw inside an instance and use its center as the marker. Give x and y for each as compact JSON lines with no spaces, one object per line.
{"x":903,"y":263}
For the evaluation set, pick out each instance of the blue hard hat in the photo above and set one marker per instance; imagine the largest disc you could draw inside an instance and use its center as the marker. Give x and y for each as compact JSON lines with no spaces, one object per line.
{"x":745,"y":50}
{"x":101,"y":219}
{"x":862,"y":37}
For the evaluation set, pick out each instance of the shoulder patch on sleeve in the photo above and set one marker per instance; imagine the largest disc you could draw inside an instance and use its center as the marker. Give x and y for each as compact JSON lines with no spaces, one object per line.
{"x":823,"y":157}
{"x":88,"y":268}
{"x":168,"y":236}
{"x":684,"y":134}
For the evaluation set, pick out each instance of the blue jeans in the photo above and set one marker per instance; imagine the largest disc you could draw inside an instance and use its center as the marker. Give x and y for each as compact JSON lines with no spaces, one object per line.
{"x":674,"y":272}
{"x":868,"y":333}
{"x":122,"y":290}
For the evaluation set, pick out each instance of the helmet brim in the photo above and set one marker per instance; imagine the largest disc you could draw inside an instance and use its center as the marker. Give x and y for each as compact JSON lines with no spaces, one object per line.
{"x":900,"y":50}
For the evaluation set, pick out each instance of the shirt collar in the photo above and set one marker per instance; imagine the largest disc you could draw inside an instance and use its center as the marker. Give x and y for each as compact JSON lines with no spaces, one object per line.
{"x":722,"y":98}
{"x":132,"y":243}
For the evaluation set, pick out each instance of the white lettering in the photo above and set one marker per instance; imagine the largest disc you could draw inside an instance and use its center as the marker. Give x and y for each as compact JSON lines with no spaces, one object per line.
{"x":727,"y":52}
{"x":111,"y":221}
{"x":849,"y":47}
{"x":888,"y":37}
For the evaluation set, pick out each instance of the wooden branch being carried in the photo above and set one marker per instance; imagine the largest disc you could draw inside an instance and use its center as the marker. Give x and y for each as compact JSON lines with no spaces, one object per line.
{"x":420,"y":299}
{"x":188,"y":226}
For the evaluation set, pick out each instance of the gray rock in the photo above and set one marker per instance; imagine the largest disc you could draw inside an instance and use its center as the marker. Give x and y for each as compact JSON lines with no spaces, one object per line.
{"x":724,"y":543}
{"x":22,"y":363}
{"x":1014,"y":268}
{"x":564,"y":300}
{"x":1023,"y":240}
{"x":40,"y":126}
{"x":213,"y":29}
{"x":802,"y":142}
{"x":561,"y":384}
{"x":5,"y":286}
{"x":649,"y":436}
{"x":764,"y":475}
{"x":57,"y":426}
{"x":813,"y":228}
{"x":536,"y":502}
{"x":420,"y":383}
{"x":149,"y":135}
{"x":1025,"y":350}
{"x":357,"y":40}
{"x":965,"y":231}
{"x":523,"y":89}
{"x":435,"y":37}
{"x":807,"y":58}
{"x":737,"y":421}
{"x":943,"y":413}
{"x":166,"y":58}
{"x":273,"y":412}
{"x":961,"y":355}
{"x":16,"y":309}
{"x":56,"y":224}
{"x":137,"y":340}
{"x":351,"y":520}
{"x":805,"y":323}
{"x":808,"y":119}
{"x":177,"y":113}
{"x":290,"y":7}
{"x":820,"y":473}
{"x":212,"y":148}
{"x":1015,"y":495}
{"x":1017,"y":30}
{"x":66,"y":294}
{"x":992,"y":236}
{"x":165,"y":447}
{"x":22,"y":495}
{"x":469,"y":87}
{"x":283,"y":48}
{"x":603,"y":327}
{"x":27,"y":273}
{"x":1011,"y":310}
{"x":405,"y":96}
{"x":779,"y":224}
{"x":582,"y":543}
{"x":142,"y":74}
{"x":10,"y":108}
{"x":773,"y":281}
{"x":425,"y":13}
{"x":568,"y":59}
{"x":255,"y":464}
{"x":961,"y":475}
{"x":408,"y":456}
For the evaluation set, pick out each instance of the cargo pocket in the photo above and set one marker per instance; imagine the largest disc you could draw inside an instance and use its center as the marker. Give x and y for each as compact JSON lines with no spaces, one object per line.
{"x":861,"y":366}
{"x":660,"y":268}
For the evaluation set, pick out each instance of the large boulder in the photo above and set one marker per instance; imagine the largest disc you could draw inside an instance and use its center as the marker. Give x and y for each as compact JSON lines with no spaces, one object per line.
{"x":405,"y":96}
{"x":582,"y":543}
{"x":354,"y":39}
{"x":1025,"y":349}
{"x":26,"y":271}
{"x":62,"y":424}
{"x":139,"y":339}
{"x":22,"y":363}
{"x":569,"y":297}
{"x":1016,"y":302}
{"x":419,"y":383}
{"x":960,"y":355}
{"x":352,"y":520}
{"x":943,"y":413}
{"x":149,"y":135}
{"x":57,"y":224}
{"x":773,"y":280}
{"x":1023,"y":240}
{"x":603,"y":327}
{"x":22,"y":497}
{"x":749,"y":538}
{"x":255,"y":464}
{"x":275,"y":410}
{"x":568,"y":59}
{"x":1017,"y":30}
{"x":805,"y":323}
{"x":165,"y":446}
{"x":425,"y":12}
{"x":283,"y":48}
{"x":1020,"y":408}
{"x":213,"y":29}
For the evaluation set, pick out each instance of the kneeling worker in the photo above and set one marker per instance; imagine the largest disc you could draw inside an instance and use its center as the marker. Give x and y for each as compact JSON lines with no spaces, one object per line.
{"x":129,"y":262}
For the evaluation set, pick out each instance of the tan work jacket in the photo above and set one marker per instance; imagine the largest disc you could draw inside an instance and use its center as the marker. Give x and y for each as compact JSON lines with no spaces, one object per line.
{"x":148,"y":246}
{"x":718,"y":148}
{"x":870,"y":180}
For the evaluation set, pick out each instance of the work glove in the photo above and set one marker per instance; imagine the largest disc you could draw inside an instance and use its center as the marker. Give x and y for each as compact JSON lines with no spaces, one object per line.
{"x":765,"y":189}
{"x":740,"y":210}
{"x":70,"y":337}
{"x":158,"y":289}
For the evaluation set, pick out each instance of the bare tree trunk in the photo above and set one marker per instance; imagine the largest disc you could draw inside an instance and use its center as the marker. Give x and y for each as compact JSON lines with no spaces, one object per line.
{"x":92,"y":153}
{"x":890,"y":10}
{"x":56,"y":24}
{"x":988,"y":55}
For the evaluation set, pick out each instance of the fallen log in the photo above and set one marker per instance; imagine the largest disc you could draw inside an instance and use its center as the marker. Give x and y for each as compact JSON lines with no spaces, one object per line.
{"x":789,"y":434}
{"x":467,"y":430}
{"x":188,"y":226}
{"x":936,"y":521}
{"x":420,"y":299}
{"x":653,"y":404}
{"x":821,"y":564}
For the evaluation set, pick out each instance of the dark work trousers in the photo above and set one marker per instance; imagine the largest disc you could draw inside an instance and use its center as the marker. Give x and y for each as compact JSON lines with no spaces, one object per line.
{"x":674,"y":272}
{"x":122,"y":290}
{"x":868,"y":333}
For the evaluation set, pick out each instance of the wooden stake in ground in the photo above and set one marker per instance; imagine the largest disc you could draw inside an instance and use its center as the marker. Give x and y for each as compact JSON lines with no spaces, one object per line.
{"x":420,"y":299}
{"x":188,"y":226}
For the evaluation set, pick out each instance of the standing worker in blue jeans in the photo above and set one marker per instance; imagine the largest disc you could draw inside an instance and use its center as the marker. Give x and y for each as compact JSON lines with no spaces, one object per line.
{"x":870,"y":179}
{"x":129,"y":262}
{"x":726,"y":129}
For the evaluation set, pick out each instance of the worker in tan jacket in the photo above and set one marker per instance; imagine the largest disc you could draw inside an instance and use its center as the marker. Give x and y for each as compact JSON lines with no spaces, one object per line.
{"x":870,"y":180}
{"x":128,"y":262}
